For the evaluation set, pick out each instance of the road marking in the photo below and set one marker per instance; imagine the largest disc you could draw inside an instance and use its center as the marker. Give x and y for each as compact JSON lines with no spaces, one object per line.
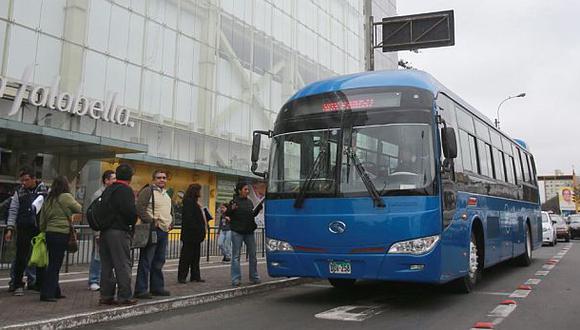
{"x":542,"y":272}
{"x":171,"y":270}
{"x":350,"y":313}
{"x":520,"y":294}
{"x":493,"y":293}
{"x":533,"y":281}
{"x":557,"y":257}
{"x":502,"y":311}
{"x":548,"y":267}
{"x":312,"y":285}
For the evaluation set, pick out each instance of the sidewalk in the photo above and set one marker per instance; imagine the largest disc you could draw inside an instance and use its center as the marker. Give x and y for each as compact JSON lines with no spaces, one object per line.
{"x":81,"y":305}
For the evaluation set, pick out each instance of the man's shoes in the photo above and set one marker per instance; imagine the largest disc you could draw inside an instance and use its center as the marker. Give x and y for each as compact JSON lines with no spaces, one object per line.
{"x":181,"y":281}
{"x":162,"y":293}
{"x":18,"y":292}
{"x":144,"y":295}
{"x":110,"y":302}
{"x":199,"y":280}
{"x":128,"y":302}
{"x":11,"y":288}
{"x":255,"y":281}
{"x":236,"y":284}
{"x":94,"y":287}
{"x":225,"y":259}
{"x":48,"y":299}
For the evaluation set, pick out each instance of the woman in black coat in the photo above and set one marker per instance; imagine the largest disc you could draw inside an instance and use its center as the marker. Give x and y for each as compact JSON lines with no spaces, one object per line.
{"x":193,"y":229}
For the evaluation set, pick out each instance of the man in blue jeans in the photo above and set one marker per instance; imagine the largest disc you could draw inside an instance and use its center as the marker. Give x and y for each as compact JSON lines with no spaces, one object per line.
{"x":154,"y":206}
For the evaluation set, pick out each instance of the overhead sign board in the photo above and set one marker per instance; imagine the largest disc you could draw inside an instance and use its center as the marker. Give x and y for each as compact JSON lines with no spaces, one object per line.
{"x":418,"y":31}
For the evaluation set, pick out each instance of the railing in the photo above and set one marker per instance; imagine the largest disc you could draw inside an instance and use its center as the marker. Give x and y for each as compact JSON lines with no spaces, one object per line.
{"x":86,"y":240}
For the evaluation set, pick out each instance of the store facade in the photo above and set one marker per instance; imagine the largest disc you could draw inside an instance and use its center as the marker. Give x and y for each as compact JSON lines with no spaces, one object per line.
{"x":173,"y":84}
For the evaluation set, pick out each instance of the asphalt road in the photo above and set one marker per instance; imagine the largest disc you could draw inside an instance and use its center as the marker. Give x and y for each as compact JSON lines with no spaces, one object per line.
{"x":551,"y":304}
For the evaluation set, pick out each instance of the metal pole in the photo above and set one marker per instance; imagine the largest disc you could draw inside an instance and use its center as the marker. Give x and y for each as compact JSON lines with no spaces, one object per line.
{"x":369,"y":36}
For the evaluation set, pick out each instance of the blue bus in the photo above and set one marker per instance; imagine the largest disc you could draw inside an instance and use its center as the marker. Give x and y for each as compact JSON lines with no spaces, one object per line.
{"x":390,"y":176}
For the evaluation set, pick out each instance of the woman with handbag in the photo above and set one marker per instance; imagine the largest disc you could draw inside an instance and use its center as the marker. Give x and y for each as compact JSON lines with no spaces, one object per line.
{"x":56,"y":221}
{"x":193,"y":229}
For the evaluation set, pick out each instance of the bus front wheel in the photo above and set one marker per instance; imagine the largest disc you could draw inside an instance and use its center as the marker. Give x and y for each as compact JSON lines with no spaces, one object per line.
{"x":466,"y":283}
{"x":342,"y":283}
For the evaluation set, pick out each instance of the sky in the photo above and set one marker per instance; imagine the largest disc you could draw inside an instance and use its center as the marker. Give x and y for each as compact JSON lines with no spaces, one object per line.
{"x":503,"y":48}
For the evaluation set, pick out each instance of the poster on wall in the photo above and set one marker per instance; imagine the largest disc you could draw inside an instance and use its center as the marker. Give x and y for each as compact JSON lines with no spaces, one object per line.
{"x":565,"y":198}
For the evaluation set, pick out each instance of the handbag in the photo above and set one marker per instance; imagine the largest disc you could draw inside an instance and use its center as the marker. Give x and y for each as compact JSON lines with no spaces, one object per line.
{"x":73,"y":244}
{"x":144,"y":233}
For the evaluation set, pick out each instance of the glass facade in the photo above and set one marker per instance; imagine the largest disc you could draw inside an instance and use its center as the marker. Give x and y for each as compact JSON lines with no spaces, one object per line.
{"x":198,"y":75}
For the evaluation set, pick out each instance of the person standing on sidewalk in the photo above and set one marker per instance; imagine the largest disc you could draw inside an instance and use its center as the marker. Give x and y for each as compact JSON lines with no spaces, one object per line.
{"x":154,"y":206}
{"x":115,"y":241}
{"x":224,"y":234}
{"x":193,"y":230}
{"x":108,"y":178}
{"x":22,"y":218}
{"x":56,"y":222}
{"x":241,"y":211}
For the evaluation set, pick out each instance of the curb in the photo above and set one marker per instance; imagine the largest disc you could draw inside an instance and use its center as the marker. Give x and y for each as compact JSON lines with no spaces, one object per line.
{"x":119,"y":313}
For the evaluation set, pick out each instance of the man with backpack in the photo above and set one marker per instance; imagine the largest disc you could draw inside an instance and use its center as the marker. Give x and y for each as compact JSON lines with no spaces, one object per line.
{"x":116,"y":215}
{"x":22,"y":218}
{"x":107,"y":179}
{"x":154,"y":207}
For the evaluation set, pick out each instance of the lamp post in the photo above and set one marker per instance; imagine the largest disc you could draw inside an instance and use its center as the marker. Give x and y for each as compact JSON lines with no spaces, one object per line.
{"x":499,"y":106}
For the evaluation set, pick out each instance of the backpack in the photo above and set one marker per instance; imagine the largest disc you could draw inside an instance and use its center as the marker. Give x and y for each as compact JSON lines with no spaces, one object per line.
{"x":100,"y":214}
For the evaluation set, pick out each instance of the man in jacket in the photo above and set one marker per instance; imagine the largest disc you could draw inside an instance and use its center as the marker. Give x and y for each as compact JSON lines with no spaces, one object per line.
{"x":22,"y":218}
{"x":154,"y":206}
{"x":114,"y":246}
{"x":108,"y":178}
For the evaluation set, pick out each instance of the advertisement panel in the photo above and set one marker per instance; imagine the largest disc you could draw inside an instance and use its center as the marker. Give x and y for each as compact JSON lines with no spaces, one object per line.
{"x":566,"y":200}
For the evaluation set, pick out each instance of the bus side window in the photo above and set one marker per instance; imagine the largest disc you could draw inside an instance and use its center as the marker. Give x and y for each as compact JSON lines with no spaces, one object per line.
{"x":498,"y":165}
{"x":465,"y":150}
{"x":531,"y":174}
{"x":518,"y":164}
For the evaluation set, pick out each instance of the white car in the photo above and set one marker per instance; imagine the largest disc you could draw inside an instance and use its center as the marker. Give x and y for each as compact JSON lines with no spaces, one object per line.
{"x":548,"y":230}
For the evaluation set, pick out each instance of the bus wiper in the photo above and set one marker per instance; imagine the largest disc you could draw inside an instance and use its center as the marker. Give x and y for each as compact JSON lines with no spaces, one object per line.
{"x":299,"y":202}
{"x":378,"y":201}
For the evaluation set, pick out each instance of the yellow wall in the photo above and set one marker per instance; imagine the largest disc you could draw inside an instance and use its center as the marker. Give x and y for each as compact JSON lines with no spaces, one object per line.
{"x":179,"y":179}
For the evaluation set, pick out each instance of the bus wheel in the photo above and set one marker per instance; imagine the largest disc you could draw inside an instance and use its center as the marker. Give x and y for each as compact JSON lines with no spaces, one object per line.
{"x":526,"y":258}
{"x":467,"y":282}
{"x":342,"y":283}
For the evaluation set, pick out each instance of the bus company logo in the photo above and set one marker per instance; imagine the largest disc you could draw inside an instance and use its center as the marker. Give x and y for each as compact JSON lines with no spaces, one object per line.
{"x":337,"y":227}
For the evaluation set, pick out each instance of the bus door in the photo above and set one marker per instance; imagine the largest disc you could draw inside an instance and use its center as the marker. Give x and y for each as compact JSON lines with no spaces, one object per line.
{"x":507,"y":232}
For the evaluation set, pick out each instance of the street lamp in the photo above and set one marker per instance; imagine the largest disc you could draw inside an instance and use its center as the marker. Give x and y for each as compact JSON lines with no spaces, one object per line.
{"x":499,"y":106}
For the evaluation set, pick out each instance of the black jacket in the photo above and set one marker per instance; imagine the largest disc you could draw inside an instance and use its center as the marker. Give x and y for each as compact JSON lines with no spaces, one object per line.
{"x":193,"y":224}
{"x":123,"y":207}
{"x":242,"y":213}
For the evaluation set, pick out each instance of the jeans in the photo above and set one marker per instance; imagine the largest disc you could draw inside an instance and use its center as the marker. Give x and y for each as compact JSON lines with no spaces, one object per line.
{"x":225,"y":243}
{"x":95,"y":266}
{"x":150,"y":269}
{"x":250,"y":242}
{"x":56,"y":244}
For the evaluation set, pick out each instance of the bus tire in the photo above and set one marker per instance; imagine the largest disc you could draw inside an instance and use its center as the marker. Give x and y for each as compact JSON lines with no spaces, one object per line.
{"x":466,"y":283}
{"x":342,"y":283}
{"x":525,"y":259}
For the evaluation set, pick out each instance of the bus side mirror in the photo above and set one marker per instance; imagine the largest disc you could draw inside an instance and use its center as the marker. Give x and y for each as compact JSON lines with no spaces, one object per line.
{"x":256,"y":142}
{"x":449,"y":142}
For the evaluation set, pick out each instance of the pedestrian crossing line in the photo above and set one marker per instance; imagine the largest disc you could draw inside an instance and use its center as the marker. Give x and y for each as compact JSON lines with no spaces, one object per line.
{"x":350,"y":313}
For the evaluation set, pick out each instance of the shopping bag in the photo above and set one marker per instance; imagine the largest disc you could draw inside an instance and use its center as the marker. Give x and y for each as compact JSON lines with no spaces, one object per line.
{"x":8,"y":250}
{"x":39,"y":255}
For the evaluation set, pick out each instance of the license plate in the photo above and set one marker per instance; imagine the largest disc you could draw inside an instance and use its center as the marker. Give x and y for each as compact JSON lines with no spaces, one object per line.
{"x":340,"y":267}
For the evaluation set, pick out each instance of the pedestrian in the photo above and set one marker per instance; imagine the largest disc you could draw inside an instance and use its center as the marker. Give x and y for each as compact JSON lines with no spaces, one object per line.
{"x":107,"y":179}
{"x":56,"y":220}
{"x":193,"y":230}
{"x":22,"y":218}
{"x":241,"y":211}
{"x":154,"y":206}
{"x":114,"y":245}
{"x":224,"y":234}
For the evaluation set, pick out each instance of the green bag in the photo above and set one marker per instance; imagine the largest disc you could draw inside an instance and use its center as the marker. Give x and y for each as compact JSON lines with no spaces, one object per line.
{"x":39,"y":255}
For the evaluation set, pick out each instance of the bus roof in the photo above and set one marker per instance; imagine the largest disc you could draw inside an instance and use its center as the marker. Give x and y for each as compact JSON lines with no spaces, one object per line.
{"x":403,"y":78}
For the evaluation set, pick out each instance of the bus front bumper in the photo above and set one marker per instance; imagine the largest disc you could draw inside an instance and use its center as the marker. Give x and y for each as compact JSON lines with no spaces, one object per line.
{"x":424,"y":268}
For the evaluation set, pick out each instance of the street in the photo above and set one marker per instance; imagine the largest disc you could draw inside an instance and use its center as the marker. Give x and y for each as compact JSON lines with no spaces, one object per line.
{"x":555,"y":291}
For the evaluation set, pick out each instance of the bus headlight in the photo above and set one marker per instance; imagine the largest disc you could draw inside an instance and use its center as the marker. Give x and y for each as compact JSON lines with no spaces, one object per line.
{"x":415,"y":246}
{"x":274,"y":245}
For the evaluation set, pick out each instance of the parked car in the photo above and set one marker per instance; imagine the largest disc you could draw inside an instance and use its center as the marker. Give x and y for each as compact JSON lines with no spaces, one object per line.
{"x":562,"y":228}
{"x":548,"y":230}
{"x":574,"y":225}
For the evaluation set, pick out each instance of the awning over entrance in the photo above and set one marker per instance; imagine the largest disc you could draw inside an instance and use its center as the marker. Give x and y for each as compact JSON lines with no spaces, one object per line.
{"x":18,"y":136}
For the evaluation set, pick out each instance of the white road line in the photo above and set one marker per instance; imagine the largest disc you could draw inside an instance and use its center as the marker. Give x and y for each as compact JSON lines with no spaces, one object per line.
{"x":493,"y":293}
{"x":502,"y":311}
{"x":171,"y":270}
{"x":548,"y":267}
{"x":520,"y":294}
{"x":312,"y":285}
{"x":533,"y":281}
{"x":542,"y":272}
{"x":350,"y":313}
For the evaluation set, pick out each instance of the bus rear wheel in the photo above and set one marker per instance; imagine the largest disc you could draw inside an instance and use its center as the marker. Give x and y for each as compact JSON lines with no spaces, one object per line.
{"x":342,"y":283}
{"x":468,"y":282}
{"x":526,"y":258}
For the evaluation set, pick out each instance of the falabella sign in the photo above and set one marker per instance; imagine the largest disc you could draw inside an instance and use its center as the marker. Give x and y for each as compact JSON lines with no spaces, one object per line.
{"x":52,"y":98}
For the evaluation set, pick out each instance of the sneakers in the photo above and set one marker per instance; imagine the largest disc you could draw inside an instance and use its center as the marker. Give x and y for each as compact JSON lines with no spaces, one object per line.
{"x":19,"y":292}
{"x":162,"y":293}
{"x":94,"y":287}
